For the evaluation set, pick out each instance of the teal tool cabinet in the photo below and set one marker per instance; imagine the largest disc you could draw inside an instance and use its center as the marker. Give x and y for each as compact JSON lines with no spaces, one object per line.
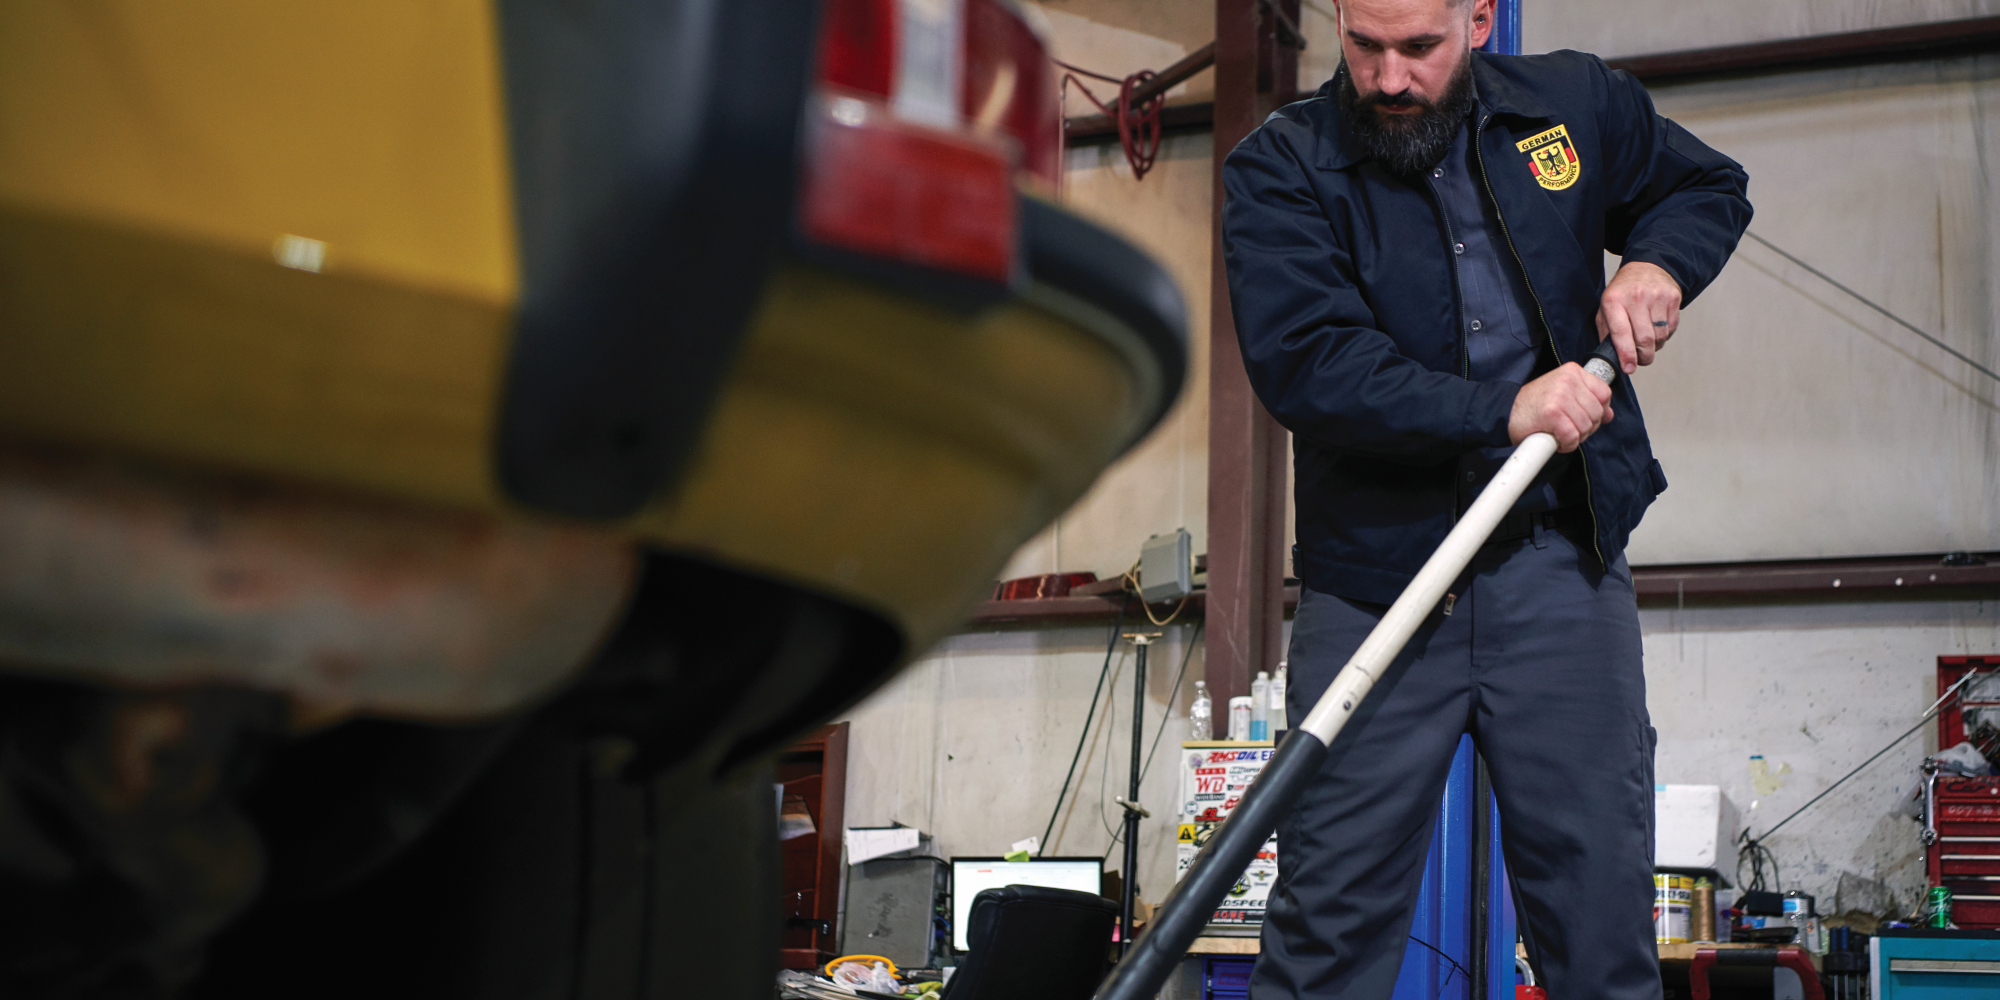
{"x":1922,"y":964}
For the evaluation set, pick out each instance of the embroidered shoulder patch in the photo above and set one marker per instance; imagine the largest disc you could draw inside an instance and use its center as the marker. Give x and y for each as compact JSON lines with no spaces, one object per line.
{"x":1552,"y":158}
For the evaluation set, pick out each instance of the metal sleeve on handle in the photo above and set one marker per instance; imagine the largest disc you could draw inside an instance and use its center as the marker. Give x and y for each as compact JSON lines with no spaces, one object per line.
{"x":1185,"y":912}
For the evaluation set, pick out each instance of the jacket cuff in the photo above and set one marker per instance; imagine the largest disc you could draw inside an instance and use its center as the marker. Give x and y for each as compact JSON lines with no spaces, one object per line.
{"x":1487,"y":413}
{"x":1675,"y":268}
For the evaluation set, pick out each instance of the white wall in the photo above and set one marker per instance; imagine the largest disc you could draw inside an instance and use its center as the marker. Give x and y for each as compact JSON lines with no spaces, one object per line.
{"x":1792,"y":420}
{"x":1814,"y":689}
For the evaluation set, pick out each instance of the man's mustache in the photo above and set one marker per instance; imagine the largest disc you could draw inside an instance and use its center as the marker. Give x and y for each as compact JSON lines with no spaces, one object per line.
{"x":1405,"y":99}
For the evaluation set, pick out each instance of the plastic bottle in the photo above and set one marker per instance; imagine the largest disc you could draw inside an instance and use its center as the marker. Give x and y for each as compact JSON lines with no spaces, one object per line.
{"x":1279,"y":723}
{"x":1201,"y":714}
{"x":1260,"y":707}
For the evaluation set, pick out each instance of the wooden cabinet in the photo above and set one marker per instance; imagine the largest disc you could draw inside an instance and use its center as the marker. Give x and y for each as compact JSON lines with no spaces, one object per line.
{"x":814,"y":774}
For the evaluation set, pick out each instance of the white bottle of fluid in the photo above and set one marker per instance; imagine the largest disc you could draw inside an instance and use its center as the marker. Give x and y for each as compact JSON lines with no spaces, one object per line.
{"x":1279,"y":723}
{"x":1260,"y":707}
{"x":1201,"y":714}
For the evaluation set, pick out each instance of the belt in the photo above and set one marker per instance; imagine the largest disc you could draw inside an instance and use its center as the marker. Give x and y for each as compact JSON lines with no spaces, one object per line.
{"x":1520,"y":524}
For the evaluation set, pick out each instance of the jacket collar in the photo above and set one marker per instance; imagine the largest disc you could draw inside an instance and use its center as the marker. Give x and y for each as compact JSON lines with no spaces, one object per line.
{"x":1493,"y":91}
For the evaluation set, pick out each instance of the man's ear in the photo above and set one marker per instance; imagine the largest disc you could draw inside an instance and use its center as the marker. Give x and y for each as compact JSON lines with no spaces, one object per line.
{"x":1482,"y":22}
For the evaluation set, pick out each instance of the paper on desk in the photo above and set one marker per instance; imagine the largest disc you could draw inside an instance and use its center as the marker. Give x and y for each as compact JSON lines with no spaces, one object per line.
{"x":873,"y":842}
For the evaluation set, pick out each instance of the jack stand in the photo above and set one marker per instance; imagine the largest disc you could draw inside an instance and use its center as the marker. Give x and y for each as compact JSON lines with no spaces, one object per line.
{"x":1133,"y":811}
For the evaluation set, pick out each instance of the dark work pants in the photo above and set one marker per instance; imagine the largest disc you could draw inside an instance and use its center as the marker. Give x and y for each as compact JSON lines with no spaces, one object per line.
{"x":1540,"y":662}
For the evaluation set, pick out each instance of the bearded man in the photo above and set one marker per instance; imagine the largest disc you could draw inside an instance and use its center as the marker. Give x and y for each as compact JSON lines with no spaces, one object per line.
{"x":1415,"y":263}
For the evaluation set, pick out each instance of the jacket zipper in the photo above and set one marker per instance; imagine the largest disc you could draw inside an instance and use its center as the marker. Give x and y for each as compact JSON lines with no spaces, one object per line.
{"x":1458,"y":302}
{"x":1479,"y":152}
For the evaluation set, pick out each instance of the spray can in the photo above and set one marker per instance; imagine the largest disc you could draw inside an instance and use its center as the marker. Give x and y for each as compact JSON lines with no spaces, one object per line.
{"x":1702,"y":910}
{"x":1279,"y":723}
{"x":1802,"y":915}
{"x":1239,"y":717}
{"x":1672,"y":895}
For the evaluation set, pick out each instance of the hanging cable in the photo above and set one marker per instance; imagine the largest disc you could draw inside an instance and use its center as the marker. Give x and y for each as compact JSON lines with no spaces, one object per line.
{"x":1109,"y":648}
{"x":1864,"y":300}
{"x":1457,"y":969}
{"x":1173,"y":698}
{"x":1131,"y":579}
{"x":1138,"y":126}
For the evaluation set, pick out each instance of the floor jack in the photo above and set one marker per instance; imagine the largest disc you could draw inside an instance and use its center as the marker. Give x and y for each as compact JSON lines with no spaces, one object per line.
{"x":1182,"y":916}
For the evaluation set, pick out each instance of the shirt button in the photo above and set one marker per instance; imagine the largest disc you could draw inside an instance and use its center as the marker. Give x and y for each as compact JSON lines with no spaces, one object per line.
{"x":1471,"y":476}
{"x":1475,"y":326}
{"x":1458,"y":248}
{"x":1437,"y":172}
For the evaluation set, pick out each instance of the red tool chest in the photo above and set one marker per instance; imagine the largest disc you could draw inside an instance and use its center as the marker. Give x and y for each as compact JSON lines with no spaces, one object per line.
{"x":1962,"y":821}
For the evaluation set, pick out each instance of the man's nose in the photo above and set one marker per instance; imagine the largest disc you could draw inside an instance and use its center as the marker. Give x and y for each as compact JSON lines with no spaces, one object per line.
{"x":1396,"y":76}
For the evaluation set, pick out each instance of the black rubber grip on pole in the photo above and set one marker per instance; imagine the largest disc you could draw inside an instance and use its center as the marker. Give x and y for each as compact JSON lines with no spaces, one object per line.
{"x":1185,"y":912}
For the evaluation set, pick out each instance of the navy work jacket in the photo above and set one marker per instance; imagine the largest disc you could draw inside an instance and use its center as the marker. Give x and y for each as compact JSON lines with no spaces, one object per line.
{"x":1344,"y":292}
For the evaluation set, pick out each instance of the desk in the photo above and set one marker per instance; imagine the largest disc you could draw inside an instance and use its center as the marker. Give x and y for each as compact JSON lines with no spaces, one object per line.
{"x":1224,"y":946}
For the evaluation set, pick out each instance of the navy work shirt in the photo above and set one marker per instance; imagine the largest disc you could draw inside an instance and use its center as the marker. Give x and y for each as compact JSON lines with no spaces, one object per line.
{"x":1503,"y":340}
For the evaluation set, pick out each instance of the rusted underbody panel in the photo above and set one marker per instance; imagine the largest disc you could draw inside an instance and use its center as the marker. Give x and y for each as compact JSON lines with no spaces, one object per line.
{"x":346,"y":605}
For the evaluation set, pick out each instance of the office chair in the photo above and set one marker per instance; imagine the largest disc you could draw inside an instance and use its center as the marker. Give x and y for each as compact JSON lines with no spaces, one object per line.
{"x":1033,"y":941}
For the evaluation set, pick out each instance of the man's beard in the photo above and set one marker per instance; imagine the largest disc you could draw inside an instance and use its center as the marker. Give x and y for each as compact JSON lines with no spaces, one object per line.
{"x":1408,"y":145}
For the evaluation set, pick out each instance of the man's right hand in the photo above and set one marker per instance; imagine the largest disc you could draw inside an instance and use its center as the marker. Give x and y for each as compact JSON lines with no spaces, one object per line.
{"x":1569,"y":403}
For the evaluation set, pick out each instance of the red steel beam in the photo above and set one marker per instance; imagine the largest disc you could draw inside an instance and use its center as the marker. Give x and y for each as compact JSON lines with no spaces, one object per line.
{"x":1244,"y":605}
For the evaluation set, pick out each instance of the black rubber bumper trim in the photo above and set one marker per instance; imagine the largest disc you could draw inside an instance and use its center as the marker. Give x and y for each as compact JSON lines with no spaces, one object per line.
{"x":655,"y":151}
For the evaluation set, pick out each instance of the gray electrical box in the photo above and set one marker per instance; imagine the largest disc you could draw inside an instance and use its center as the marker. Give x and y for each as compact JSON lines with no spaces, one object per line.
{"x":1166,"y":567}
{"x":893,"y":910}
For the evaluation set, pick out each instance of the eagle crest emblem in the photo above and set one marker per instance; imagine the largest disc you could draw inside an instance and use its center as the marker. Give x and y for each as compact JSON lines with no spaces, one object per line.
{"x":1552,"y":158}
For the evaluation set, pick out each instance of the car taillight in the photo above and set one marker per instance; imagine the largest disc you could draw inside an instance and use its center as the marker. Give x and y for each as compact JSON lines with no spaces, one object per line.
{"x":1010,"y":84}
{"x":896,"y":189}
{"x":930,"y":112}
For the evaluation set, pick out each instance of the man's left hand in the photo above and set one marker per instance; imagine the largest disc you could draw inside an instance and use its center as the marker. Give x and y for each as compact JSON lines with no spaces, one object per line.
{"x":1640,"y":309}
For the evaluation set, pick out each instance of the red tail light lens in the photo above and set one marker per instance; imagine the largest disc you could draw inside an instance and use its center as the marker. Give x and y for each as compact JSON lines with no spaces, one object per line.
{"x":932,"y":111}
{"x":857,"y":45}
{"x":908,"y":193}
{"x":1010,"y":85}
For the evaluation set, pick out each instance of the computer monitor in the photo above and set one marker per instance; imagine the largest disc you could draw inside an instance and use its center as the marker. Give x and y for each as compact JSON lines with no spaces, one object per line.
{"x":969,"y":876}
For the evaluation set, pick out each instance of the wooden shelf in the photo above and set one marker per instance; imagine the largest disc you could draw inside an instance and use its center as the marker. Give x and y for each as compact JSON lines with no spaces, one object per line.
{"x":1668,"y":952}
